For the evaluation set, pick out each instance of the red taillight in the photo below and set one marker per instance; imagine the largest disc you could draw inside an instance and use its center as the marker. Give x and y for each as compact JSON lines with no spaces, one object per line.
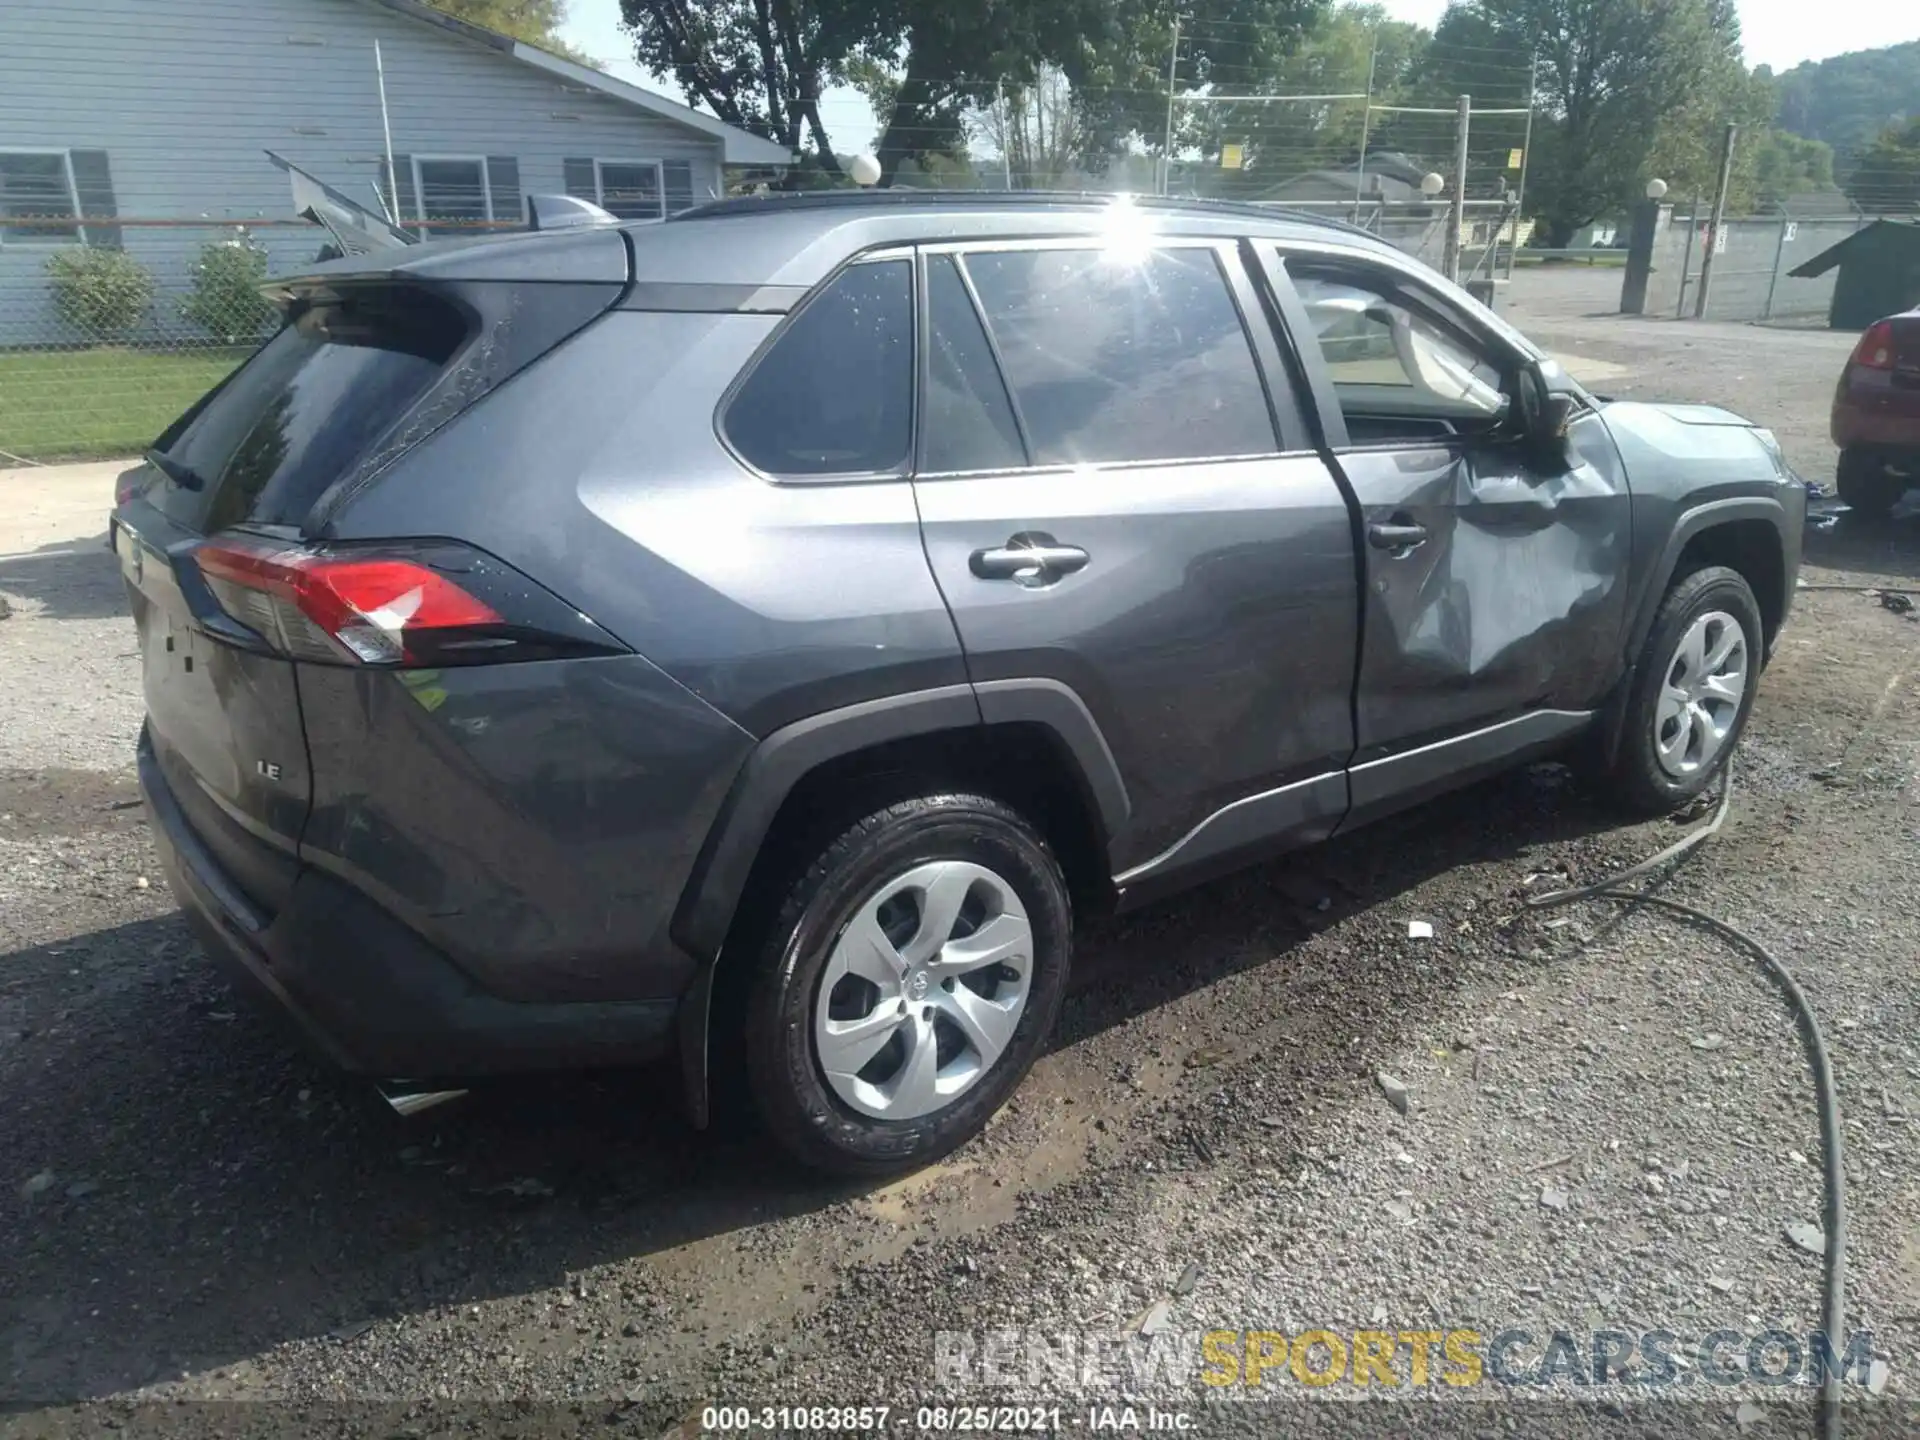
{"x":1875,"y":350}
{"x":377,"y":609}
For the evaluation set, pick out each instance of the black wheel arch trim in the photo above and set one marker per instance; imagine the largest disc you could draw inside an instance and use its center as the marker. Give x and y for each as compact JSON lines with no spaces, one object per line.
{"x":1053,"y":705}
{"x":781,"y":760}
{"x":1691,"y":523}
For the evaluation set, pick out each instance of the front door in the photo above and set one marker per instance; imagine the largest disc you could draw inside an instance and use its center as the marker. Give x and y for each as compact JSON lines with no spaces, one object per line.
{"x":1494,"y":582}
{"x":1108,"y":502}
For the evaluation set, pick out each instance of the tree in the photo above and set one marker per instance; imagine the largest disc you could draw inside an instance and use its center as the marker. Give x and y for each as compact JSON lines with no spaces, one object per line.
{"x":537,"y":22}
{"x":1041,"y":130}
{"x":762,"y":64}
{"x":1886,"y":181}
{"x":1850,"y":99}
{"x":1786,"y":165}
{"x":1335,"y":56}
{"x":1619,"y":84}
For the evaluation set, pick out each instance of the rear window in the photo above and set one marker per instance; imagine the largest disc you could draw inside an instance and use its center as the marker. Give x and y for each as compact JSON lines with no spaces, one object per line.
{"x":310,"y":403}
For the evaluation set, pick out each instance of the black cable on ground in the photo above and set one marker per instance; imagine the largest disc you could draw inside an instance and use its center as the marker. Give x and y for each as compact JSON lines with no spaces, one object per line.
{"x":1834,"y":1306}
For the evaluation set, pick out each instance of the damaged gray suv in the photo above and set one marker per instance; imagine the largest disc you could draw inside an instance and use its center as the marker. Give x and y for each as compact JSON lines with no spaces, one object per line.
{"x":753,"y":638}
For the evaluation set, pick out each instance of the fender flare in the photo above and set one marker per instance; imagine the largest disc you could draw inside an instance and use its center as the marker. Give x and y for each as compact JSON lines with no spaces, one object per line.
{"x":782,"y":759}
{"x":1690,"y":523}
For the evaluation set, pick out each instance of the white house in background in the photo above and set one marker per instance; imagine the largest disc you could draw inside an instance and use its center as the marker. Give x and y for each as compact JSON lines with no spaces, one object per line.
{"x":149,"y":111}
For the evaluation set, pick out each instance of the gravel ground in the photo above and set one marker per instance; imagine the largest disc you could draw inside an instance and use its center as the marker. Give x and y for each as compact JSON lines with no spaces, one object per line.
{"x":1609,"y":1123}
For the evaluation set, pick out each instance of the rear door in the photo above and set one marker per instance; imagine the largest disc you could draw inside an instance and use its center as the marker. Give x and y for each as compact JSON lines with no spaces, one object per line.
{"x":223,"y":714}
{"x":1110,"y":500}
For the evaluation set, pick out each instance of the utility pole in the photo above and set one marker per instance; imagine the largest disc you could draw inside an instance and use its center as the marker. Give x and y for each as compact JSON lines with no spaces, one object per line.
{"x":1173,"y":72}
{"x":1457,"y":211}
{"x":1719,"y":219}
{"x":1006,"y":133}
{"x":1366,"y":126}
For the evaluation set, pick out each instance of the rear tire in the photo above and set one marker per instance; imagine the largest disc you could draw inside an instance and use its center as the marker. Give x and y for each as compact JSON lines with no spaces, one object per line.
{"x":1693,"y":689}
{"x":1869,"y":484}
{"x":907,"y":984}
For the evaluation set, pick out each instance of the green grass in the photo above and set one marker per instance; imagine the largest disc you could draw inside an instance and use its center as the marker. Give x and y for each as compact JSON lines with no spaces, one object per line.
{"x":92,"y":404}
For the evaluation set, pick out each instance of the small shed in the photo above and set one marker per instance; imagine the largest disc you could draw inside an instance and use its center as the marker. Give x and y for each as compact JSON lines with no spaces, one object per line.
{"x":1879,"y":273}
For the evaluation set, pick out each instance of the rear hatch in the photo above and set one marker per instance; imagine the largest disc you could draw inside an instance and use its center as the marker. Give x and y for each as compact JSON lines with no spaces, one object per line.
{"x":219,"y":537}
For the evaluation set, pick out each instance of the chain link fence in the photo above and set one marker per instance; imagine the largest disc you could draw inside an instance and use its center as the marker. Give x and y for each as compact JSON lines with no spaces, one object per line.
{"x":111,"y":327}
{"x":108,"y":329}
{"x":1753,"y":261}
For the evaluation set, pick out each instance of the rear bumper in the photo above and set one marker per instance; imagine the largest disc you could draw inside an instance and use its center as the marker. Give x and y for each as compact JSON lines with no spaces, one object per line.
{"x":369,"y":992}
{"x":1878,"y":423}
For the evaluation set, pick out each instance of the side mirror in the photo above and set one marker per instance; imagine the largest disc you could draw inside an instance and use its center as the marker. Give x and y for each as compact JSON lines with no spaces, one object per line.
{"x":1556,"y":414}
{"x":1545,"y":416}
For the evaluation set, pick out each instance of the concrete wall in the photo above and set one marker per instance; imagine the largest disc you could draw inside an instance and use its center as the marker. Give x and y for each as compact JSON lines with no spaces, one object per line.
{"x":184,"y":95}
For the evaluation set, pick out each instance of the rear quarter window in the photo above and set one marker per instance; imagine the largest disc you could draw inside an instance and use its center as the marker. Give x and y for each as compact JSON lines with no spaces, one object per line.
{"x":310,"y":403}
{"x":833,"y":395}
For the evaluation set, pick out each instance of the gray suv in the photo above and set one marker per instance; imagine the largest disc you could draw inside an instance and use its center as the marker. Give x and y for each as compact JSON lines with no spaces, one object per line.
{"x":753,"y":638}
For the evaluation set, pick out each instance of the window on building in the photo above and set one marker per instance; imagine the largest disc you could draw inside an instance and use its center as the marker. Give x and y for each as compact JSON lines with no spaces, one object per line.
{"x":644,"y":189}
{"x":453,"y":193}
{"x":1115,"y":356}
{"x":37,"y":198}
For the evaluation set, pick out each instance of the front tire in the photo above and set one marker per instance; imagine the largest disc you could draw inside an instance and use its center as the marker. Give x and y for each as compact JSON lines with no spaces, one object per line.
{"x":1692,"y":691}
{"x":907,"y":984}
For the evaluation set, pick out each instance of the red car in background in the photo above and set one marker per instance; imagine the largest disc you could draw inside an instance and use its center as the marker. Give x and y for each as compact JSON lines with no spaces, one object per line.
{"x":1876,"y":416}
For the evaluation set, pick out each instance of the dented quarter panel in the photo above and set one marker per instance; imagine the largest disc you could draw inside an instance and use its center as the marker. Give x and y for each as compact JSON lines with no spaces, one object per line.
{"x":535,"y":822}
{"x":1516,"y":601}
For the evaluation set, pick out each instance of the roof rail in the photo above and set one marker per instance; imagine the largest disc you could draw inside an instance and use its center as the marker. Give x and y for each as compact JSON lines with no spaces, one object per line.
{"x":901,"y":197}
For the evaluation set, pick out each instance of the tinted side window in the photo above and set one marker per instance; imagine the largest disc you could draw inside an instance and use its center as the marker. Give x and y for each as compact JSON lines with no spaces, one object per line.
{"x":834,"y":396}
{"x":969,"y":422}
{"x":1124,"y":357}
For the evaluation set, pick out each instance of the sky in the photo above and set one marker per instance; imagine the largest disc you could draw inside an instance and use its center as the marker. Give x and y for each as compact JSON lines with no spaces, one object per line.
{"x":1780,"y":33}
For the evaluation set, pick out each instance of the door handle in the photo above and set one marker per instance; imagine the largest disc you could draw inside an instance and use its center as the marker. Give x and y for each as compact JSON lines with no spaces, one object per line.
{"x":1397,"y":537}
{"x":1032,"y":560}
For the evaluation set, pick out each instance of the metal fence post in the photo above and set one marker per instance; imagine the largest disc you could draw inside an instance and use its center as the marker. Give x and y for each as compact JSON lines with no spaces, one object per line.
{"x":1457,"y":210}
{"x":1686,"y":260}
{"x":1173,"y":81}
{"x":1526,"y":156}
{"x":1779,"y":258}
{"x":1366,"y":130}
